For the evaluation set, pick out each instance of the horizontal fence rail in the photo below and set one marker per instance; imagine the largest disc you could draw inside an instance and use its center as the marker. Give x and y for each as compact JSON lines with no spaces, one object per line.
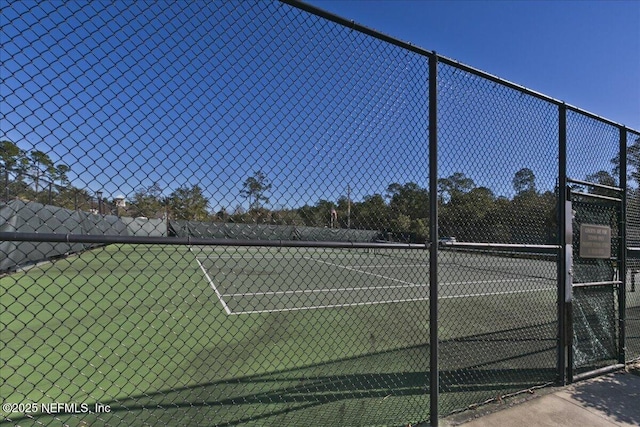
{"x":195,"y":241}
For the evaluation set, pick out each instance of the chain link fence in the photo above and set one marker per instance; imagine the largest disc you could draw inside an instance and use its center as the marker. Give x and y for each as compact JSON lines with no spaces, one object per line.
{"x":633,"y":241}
{"x":595,"y":308}
{"x":220,"y":214}
{"x":490,"y":194}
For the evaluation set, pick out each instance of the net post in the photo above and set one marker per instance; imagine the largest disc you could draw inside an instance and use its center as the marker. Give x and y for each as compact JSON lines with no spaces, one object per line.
{"x":434,"y":380}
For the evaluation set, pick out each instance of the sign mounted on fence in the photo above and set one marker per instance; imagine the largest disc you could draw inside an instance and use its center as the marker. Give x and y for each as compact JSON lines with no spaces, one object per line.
{"x":595,"y":241}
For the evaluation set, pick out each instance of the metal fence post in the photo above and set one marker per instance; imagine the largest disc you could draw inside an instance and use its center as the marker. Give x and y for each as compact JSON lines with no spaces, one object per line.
{"x":562,"y":229}
{"x":622,"y":248}
{"x":433,"y":236}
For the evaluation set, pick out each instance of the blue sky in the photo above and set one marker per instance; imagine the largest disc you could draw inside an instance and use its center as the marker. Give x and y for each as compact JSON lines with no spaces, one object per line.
{"x":206,"y":93}
{"x":585,"y":53}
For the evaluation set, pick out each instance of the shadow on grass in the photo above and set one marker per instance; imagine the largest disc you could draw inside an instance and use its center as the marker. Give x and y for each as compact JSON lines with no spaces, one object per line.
{"x":383,"y":388}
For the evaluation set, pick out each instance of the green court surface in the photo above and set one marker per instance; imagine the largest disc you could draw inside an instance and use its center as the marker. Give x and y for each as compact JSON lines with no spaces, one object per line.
{"x":268,"y":336}
{"x":286,"y":279}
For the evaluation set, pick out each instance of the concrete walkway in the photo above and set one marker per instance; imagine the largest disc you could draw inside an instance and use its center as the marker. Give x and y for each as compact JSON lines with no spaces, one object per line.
{"x":609,"y":400}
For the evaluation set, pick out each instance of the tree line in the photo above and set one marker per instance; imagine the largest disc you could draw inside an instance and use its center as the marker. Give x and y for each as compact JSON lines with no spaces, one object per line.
{"x":32,"y":175}
{"x":465,"y":210}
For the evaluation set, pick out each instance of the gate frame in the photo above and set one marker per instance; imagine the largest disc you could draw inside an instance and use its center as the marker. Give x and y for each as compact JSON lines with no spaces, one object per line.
{"x":615,"y":281}
{"x":565,"y":257}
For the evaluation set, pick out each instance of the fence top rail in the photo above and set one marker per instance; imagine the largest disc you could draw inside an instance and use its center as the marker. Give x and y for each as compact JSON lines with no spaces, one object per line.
{"x":452,"y":62}
{"x":196,"y":241}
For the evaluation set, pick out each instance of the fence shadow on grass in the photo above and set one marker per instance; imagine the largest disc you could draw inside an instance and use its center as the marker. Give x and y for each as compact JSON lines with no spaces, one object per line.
{"x":358,"y":390}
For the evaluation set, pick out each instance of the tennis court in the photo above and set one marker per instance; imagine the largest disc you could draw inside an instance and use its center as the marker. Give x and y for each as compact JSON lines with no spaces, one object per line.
{"x":272,"y":335}
{"x":221,"y":214}
{"x":277,"y":335}
{"x":258,"y":280}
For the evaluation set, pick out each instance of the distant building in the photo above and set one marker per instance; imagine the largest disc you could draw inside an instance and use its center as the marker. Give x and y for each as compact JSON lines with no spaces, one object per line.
{"x":120,"y":201}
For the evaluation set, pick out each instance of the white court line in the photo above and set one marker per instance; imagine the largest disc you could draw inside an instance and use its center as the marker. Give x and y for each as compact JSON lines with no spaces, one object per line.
{"x":487,"y":294}
{"x":315,"y":291}
{"x":360,"y":271}
{"x":316,"y":307}
{"x":204,"y":258}
{"x":365,"y":288}
{"x":224,"y":304}
{"x":409,"y":285}
{"x":355,"y":268}
{"x":481,"y":282}
{"x":208,"y":256}
{"x":244,"y":257}
{"x":355,"y":304}
{"x":388,"y":265}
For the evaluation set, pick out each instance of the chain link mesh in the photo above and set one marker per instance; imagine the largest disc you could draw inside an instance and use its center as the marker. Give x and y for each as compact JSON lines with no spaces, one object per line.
{"x":633,"y":240}
{"x":491,"y":193}
{"x":230,"y":121}
{"x":585,"y":163}
{"x":218,"y":214}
